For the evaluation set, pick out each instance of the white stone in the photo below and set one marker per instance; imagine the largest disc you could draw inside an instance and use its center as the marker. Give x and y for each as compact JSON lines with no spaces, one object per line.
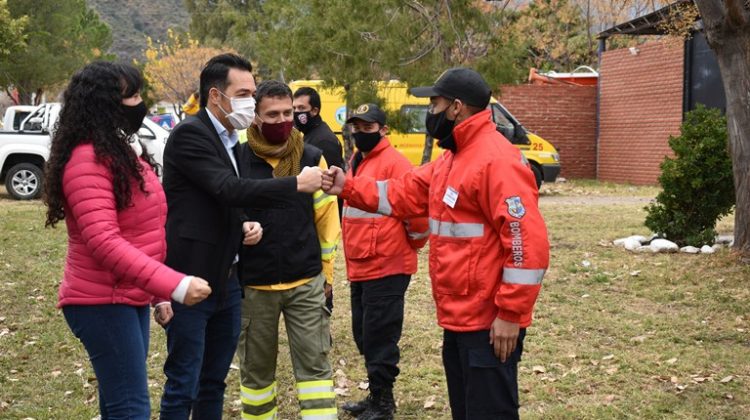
{"x":705,"y":249}
{"x":663,"y":245}
{"x":724,"y":239}
{"x":690,"y":250}
{"x":635,"y":238}
{"x":631,"y":244}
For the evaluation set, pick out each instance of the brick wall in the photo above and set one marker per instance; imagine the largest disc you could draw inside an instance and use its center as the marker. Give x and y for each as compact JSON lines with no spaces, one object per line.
{"x":641,"y":106}
{"x":564,"y":115}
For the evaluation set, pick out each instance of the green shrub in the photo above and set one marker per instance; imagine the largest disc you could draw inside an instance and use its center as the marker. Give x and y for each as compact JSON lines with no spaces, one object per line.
{"x":697,"y":184}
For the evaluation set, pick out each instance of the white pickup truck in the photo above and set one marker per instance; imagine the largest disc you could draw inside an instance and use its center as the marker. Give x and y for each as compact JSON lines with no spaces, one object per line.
{"x":24,"y":147}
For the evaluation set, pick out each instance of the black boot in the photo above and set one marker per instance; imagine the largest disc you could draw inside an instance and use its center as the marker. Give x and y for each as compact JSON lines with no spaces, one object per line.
{"x":356,"y":408}
{"x":382,"y":407}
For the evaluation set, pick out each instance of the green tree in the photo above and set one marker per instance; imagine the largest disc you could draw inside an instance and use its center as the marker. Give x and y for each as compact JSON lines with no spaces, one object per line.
{"x":61,"y":36}
{"x":555,"y":35}
{"x":697,"y":182}
{"x":12,"y":38}
{"x":348,"y":42}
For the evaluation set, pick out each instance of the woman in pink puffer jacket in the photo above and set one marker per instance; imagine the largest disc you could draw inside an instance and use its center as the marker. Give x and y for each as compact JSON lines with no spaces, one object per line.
{"x":115,"y":210}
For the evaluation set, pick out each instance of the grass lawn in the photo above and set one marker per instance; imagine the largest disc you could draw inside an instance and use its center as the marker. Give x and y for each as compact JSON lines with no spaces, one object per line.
{"x":616,"y":334}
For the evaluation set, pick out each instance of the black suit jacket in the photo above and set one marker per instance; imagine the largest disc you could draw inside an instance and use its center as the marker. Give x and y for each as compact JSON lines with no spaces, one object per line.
{"x":205,"y":198}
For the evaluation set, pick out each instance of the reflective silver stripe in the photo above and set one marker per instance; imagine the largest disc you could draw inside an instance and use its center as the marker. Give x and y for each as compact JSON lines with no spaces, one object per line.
{"x":419,"y":235}
{"x":321,"y":417}
{"x":356,"y":213}
{"x":384,"y":207}
{"x":456,"y":230}
{"x":320,"y":198}
{"x":523,"y":276}
{"x":325,"y":251}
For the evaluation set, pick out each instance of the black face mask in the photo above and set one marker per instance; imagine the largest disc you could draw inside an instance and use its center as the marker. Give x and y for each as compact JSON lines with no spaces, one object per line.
{"x":302,"y":120}
{"x":440,"y":127}
{"x":366,"y":141}
{"x":134,"y":115}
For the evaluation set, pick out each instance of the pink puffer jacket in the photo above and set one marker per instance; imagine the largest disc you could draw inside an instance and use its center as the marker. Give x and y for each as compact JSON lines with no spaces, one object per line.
{"x":114,"y":257}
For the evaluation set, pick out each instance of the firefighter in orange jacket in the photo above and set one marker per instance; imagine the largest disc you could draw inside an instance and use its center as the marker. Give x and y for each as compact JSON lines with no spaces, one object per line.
{"x":488,"y":242}
{"x":380,"y":259}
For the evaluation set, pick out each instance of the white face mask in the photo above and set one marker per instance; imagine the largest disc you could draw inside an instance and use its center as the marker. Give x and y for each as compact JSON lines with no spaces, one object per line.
{"x":243,"y":111}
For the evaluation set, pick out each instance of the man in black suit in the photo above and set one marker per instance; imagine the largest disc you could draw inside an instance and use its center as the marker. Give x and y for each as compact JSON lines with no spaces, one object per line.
{"x":204,"y":231}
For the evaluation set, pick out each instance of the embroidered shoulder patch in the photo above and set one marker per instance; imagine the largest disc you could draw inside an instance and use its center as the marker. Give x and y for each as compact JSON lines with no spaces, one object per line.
{"x":515,"y":207}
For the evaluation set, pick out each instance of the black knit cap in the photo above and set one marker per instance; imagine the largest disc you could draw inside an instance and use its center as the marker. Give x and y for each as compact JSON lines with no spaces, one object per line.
{"x":458,"y":83}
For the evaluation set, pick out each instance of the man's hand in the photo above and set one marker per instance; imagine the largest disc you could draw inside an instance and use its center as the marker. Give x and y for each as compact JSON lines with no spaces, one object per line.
{"x":197,"y":291}
{"x":333,"y":180}
{"x":310,"y":179}
{"x":253,"y":233}
{"x":504,"y":337}
{"x":163,"y":313}
{"x":328,"y":290}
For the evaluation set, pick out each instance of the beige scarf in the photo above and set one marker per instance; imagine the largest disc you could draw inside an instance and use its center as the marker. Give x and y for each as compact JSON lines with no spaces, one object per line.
{"x":289,"y":153}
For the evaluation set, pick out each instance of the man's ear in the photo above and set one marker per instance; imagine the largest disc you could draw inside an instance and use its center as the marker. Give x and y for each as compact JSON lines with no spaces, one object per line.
{"x":314,"y":111}
{"x":383,"y":130}
{"x":214,"y":97}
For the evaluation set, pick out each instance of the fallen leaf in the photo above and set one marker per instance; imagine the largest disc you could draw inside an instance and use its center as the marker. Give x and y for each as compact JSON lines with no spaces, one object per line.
{"x":635,"y":273}
{"x":726,"y":379}
{"x":2,"y":318}
{"x":609,"y":398}
{"x":729,"y":396}
{"x":612,"y":370}
{"x":638,"y":339}
{"x":342,"y":362}
{"x":585,"y":296}
{"x":68,"y":393}
{"x":90,"y":399}
{"x":699,"y":379}
{"x":56,"y":373}
{"x":429,"y":402}
{"x":364,"y":385}
{"x":672,"y":361}
{"x":234,"y":367}
{"x":608,"y":357}
{"x":538,"y":369}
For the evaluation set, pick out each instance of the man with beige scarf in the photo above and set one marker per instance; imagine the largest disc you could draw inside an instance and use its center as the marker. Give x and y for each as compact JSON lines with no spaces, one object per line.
{"x":289,"y":271}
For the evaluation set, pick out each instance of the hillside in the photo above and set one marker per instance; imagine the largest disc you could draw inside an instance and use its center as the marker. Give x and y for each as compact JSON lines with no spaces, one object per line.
{"x":132,"y":20}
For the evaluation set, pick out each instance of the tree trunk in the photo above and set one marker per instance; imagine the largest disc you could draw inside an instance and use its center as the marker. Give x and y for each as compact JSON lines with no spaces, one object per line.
{"x":727,"y":27}
{"x":734,"y":62}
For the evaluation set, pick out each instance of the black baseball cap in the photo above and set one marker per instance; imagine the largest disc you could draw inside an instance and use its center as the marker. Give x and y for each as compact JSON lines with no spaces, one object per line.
{"x":368,"y":113}
{"x":458,"y":83}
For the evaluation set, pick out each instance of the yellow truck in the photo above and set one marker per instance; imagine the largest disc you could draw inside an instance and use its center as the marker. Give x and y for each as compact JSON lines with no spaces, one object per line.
{"x":543,"y":157}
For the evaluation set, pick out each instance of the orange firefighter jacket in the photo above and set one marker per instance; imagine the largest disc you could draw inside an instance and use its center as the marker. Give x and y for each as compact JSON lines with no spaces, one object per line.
{"x":375,"y":245}
{"x":488,"y":241}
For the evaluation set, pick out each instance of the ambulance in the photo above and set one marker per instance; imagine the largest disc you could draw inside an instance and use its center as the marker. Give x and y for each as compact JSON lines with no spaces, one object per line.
{"x":411,"y":111}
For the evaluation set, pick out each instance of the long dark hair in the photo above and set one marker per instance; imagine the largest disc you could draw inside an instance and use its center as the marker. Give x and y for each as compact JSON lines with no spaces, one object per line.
{"x":92,"y":112}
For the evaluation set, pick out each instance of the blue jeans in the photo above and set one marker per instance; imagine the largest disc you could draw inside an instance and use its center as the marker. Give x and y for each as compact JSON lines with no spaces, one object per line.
{"x":201,"y":341}
{"x":116,"y":339}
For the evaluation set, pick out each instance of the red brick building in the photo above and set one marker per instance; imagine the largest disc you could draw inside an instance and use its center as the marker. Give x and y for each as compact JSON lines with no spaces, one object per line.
{"x":641,"y":93}
{"x":562,"y":114}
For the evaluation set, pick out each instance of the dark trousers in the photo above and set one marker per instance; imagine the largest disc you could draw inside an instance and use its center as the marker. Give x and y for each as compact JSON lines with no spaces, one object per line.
{"x":116,"y":339}
{"x":377,"y":320}
{"x":479,"y":385}
{"x":201,"y":341}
